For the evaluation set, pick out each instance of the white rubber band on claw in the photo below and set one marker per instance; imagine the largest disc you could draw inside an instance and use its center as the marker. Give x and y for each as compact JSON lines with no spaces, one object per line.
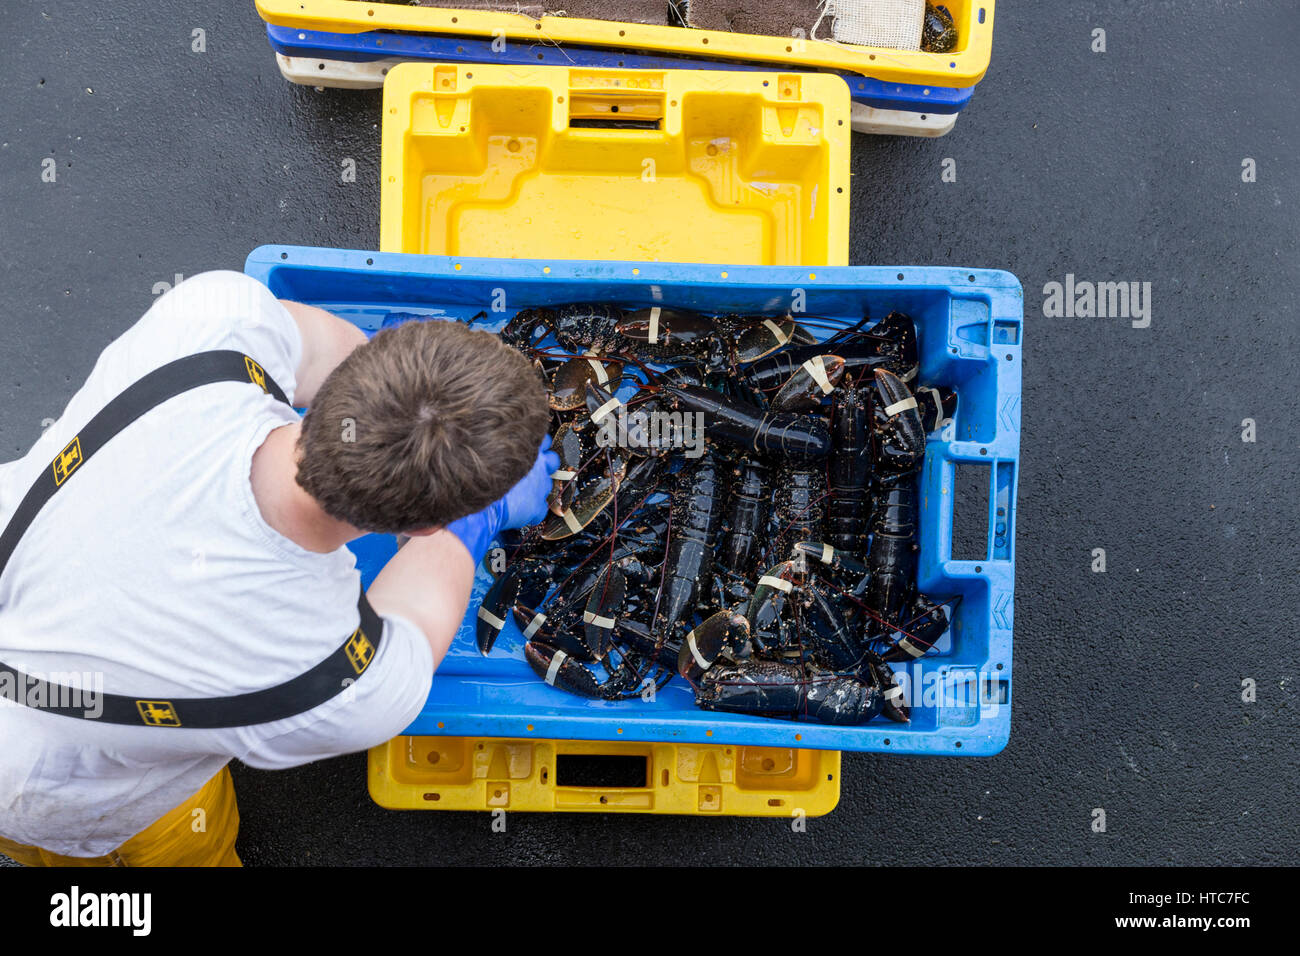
{"x":828,"y":554}
{"x":911,"y":648}
{"x":654,"y":324}
{"x":695,"y":652}
{"x":904,"y":405}
{"x":571,"y":521}
{"x":781,"y":584}
{"x":911,"y":374}
{"x":591,"y":617}
{"x":491,"y":619}
{"x":602,"y":377}
{"x":564,"y":475}
{"x":817,"y":369}
{"x":779,"y":332}
{"x":893,"y":692}
{"x":534,"y":625}
{"x":605,"y":409}
{"x":556,"y":662}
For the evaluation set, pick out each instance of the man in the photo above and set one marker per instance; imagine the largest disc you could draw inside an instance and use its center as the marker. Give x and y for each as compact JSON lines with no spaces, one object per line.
{"x":198,"y":553}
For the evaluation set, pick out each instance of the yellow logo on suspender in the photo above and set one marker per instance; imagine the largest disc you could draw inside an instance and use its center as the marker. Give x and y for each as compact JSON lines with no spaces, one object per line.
{"x":359,"y":650}
{"x":67,"y":461}
{"x":256,"y":373}
{"x":158,"y":713}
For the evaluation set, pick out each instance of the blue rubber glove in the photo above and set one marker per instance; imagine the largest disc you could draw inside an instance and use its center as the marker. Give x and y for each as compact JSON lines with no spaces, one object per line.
{"x":522,"y":505}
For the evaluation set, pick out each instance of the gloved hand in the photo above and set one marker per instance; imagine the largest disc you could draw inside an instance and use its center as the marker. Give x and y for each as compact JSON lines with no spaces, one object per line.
{"x":525,"y":503}
{"x":522,"y":505}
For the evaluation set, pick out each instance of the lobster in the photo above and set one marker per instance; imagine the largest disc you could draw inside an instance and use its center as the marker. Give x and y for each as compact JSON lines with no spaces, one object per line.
{"x":748,"y":426}
{"x":798,"y":507}
{"x":891,"y":563}
{"x":789,"y":691}
{"x":746,"y":522}
{"x":848,"y":504}
{"x":688,"y":558}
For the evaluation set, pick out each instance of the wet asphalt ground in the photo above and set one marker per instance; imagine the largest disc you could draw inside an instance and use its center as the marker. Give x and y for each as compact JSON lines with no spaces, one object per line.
{"x":1129,"y":164}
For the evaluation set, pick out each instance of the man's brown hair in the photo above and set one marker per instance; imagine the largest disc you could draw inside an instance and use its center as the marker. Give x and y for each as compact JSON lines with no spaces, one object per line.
{"x":426,"y":423}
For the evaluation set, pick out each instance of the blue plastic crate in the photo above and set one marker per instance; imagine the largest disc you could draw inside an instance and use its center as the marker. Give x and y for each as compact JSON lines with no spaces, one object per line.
{"x":969,"y":326}
{"x":383,"y":44}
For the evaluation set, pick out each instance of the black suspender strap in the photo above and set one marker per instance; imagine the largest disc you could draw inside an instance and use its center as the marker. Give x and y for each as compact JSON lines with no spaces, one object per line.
{"x":163,"y":383}
{"x":296,"y":696}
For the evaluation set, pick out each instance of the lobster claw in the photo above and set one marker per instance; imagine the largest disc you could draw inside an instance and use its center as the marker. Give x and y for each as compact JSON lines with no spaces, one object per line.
{"x":893,"y":700}
{"x":526,"y":580}
{"x":764,"y":614}
{"x":723,"y":631}
{"x":569,"y":388}
{"x":656,"y":326}
{"x":811,"y":382}
{"x":927,"y":623}
{"x":561,"y":669}
{"x":601,"y":403}
{"x":764,"y":336}
{"x":502,"y":594}
{"x":822,"y":556}
{"x":600,"y":616}
{"x":528,"y":327}
{"x":592,"y":489}
{"x":938,"y":405}
{"x":897,"y":334}
{"x":567,"y":443}
{"x":896,"y":421}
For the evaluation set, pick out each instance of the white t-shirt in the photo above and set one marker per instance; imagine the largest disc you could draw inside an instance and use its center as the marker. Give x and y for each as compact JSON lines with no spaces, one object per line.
{"x":154,"y":568}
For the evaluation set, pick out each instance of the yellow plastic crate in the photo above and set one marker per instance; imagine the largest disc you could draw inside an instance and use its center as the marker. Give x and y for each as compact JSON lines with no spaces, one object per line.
{"x":964,"y":66}
{"x":463,"y":773}
{"x":485,"y":161}
{"x":537,"y":162}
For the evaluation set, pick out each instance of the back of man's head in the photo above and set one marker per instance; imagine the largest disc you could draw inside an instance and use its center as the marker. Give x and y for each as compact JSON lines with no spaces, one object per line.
{"x":424,"y":424}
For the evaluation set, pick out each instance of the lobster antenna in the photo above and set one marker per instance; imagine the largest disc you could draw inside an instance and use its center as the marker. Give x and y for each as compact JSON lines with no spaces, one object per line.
{"x":850,"y":330}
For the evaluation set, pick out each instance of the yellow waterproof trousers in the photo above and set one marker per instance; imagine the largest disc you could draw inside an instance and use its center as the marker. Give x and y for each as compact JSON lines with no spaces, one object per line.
{"x":182,"y":837}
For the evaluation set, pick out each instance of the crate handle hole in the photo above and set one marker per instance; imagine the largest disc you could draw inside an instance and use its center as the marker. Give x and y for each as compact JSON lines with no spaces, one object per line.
{"x":603,"y":771}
